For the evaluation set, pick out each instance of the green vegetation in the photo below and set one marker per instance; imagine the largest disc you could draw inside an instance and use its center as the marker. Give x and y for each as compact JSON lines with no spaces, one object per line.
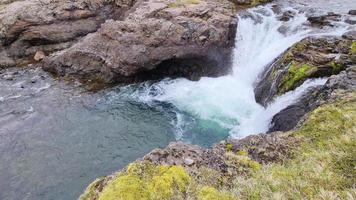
{"x":323,"y":167}
{"x":210,"y":193}
{"x":337,"y":67}
{"x":181,"y":3}
{"x":258,"y":2}
{"x":353,"y":48}
{"x":228,"y":147}
{"x":143,"y":180}
{"x":295,"y":75}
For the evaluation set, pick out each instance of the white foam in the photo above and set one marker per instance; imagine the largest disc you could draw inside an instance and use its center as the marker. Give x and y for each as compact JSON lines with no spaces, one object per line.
{"x":229,"y":100}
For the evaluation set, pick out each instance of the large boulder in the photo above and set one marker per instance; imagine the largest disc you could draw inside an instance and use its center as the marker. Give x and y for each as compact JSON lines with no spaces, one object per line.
{"x":186,"y":38}
{"x":312,"y":57}
{"x":30,"y":26}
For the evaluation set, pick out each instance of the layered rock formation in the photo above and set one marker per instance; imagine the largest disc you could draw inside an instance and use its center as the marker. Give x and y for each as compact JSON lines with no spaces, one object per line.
{"x":30,"y":26}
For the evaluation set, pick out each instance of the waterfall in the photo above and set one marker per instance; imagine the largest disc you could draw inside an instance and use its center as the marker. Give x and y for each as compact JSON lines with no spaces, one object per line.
{"x":229,"y":101}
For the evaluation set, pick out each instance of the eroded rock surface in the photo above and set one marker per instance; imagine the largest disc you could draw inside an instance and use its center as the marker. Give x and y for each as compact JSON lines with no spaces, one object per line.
{"x":29,"y":26}
{"x":156,"y":39}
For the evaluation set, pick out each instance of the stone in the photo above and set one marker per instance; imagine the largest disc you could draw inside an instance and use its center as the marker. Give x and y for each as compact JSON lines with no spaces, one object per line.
{"x":8,"y":77}
{"x":188,"y":161}
{"x":40,"y":55}
{"x":352,"y":12}
{"x":286,"y":16}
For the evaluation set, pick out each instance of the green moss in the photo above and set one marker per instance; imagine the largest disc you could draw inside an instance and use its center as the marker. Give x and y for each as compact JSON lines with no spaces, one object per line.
{"x":353,"y":48}
{"x":210,"y":193}
{"x":228,"y":147}
{"x":125,"y":187}
{"x":322,"y":167}
{"x":337,"y":67}
{"x":295,"y":75}
{"x":258,"y":2}
{"x":146,"y":181}
{"x":181,"y":3}
{"x":242,"y":153}
{"x":168,"y":181}
{"x":242,"y":162}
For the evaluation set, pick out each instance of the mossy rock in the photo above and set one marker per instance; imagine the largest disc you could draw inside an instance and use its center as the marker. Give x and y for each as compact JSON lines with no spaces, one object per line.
{"x":295,"y":76}
{"x":146,"y":181}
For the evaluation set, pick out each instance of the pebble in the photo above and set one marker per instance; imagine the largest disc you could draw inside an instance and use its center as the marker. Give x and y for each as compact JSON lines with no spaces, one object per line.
{"x":188,"y":161}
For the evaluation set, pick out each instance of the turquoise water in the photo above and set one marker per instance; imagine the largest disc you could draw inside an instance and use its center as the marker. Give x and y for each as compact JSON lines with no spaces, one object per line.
{"x":55,"y":139}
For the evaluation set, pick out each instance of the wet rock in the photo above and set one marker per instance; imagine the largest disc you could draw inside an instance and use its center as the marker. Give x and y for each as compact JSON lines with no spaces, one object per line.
{"x":318,"y":21}
{"x":8,"y":77}
{"x":310,"y":58}
{"x":324,"y":20}
{"x":188,"y":161}
{"x":286,"y":16}
{"x":276,"y":9}
{"x":155,"y":40}
{"x":352,"y":12}
{"x":350,"y":35}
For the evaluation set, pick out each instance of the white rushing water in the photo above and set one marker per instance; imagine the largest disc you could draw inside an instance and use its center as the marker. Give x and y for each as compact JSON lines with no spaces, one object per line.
{"x":229,"y":100}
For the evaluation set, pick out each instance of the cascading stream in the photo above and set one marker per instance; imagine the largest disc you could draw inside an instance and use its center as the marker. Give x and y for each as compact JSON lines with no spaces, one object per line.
{"x":228,"y":101}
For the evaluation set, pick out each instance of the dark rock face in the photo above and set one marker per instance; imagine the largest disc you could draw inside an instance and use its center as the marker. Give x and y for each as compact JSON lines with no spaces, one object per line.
{"x":155,"y":39}
{"x":287,"y":119}
{"x":29,"y":26}
{"x":352,"y":12}
{"x":310,"y":58}
{"x":324,"y":20}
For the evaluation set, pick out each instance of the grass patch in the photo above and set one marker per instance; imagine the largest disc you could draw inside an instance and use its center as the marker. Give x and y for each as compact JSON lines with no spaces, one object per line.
{"x":323,"y":167}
